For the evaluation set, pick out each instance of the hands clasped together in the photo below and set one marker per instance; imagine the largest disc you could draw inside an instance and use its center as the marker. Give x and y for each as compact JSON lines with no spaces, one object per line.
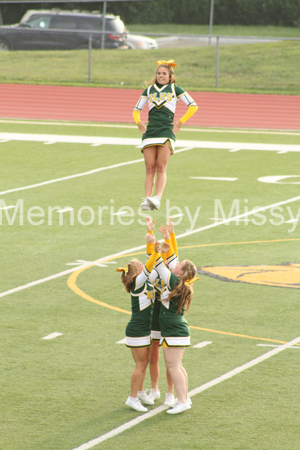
{"x":165,"y":231}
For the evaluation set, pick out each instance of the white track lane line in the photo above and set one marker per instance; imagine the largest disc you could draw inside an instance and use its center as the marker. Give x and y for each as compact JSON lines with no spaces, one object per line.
{"x":193,"y":392}
{"x":124,"y":252}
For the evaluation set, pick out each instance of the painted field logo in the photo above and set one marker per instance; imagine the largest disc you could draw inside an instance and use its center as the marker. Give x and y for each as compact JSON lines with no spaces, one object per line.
{"x":286,"y":275}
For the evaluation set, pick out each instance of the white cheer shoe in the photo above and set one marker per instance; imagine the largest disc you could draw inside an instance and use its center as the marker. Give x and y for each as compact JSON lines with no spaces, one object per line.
{"x":135,"y":404}
{"x":170,"y":400}
{"x":154,"y":202}
{"x":143,"y":397}
{"x":154,"y":395}
{"x":179,"y":408}
{"x":145,"y":205}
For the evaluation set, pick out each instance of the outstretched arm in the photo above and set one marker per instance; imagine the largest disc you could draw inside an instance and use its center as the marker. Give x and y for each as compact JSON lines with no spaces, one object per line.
{"x":170,"y":227}
{"x":166,"y":235}
{"x":150,"y":227}
{"x":163,"y":271}
{"x":145,"y":274}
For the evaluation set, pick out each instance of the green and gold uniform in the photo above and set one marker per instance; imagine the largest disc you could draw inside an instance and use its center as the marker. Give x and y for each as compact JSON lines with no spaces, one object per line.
{"x":174,"y":328}
{"x":138,"y":330}
{"x":162,"y":101}
{"x":159,"y":287}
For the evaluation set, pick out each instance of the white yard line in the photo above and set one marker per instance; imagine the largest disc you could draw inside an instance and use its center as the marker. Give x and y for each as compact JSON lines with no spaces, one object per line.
{"x":125,"y":252}
{"x":121,"y":213}
{"x":270,"y":345}
{"x":196,"y":391}
{"x":52,"y":336}
{"x":94,"y":140}
{"x":291,"y":221}
{"x":68,"y":272}
{"x":70,"y":177}
{"x":205,"y":130}
{"x":83,"y":174}
{"x":240,"y":220}
{"x":234,"y":146}
{"x":214,"y":178}
{"x":8,"y":207}
{"x":202,"y":344}
{"x":246,"y":214}
{"x":176,"y":215}
{"x":65,"y":210}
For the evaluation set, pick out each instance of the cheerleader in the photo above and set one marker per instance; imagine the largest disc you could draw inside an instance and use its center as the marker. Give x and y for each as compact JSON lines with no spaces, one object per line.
{"x":159,"y":287}
{"x":135,"y":278}
{"x":175,"y":332}
{"x":158,"y":140}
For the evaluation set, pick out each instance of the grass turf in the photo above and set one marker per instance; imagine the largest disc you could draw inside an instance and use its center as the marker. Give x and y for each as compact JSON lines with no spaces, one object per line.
{"x":248,"y":68}
{"x":60,"y":393}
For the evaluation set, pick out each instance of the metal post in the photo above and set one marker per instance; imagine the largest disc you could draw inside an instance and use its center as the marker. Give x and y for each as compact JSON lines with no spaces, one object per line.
{"x":211,"y":16}
{"x":90,"y":56}
{"x":217,"y":63}
{"x":103,"y":25}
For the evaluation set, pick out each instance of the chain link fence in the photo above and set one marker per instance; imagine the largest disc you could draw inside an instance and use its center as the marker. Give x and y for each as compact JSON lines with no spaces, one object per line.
{"x":142,"y":24}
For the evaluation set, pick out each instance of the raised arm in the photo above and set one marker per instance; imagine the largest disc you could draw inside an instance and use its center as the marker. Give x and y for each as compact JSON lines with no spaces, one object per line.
{"x":150,"y":228}
{"x":160,"y":267}
{"x":145,"y":274}
{"x":170,"y":256}
{"x":170,"y":227}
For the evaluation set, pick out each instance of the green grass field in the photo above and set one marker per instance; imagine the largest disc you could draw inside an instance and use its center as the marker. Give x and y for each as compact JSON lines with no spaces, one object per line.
{"x":61,"y":393}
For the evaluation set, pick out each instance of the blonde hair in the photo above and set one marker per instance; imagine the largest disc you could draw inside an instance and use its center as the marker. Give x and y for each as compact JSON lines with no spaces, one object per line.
{"x":183,"y":292}
{"x":170,"y":69}
{"x":127,"y":278}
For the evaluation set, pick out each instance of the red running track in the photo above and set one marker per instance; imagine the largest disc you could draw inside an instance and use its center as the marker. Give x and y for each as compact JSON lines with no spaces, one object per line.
{"x":115,"y":105}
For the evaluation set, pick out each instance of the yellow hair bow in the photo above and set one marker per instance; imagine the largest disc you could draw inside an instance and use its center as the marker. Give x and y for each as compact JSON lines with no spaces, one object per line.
{"x":171,"y":63}
{"x":122,"y":269}
{"x":191,"y":281}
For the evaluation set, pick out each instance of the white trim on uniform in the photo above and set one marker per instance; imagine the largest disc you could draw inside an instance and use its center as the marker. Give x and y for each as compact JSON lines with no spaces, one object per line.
{"x":155,"y":335}
{"x":173,"y":91}
{"x":187,"y":99}
{"x":180,"y":341}
{"x":158,"y":141}
{"x":142,"y":101}
{"x":136,"y":342}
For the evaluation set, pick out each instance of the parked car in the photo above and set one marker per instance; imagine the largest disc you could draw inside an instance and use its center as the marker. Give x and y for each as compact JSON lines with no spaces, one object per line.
{"x":62,"y":30}
{"x":136,"y":42}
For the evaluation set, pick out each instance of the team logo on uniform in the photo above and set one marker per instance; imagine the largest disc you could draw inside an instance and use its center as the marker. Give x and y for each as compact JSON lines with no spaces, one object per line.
{"x":160,"y":99}
{"x":286,"y":275}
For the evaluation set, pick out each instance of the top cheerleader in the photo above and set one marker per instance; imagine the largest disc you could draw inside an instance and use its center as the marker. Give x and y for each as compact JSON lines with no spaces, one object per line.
{"x":158,"y":140}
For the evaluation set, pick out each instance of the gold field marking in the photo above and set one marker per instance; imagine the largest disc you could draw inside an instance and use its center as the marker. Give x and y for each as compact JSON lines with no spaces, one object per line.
{"x":73,"y":286}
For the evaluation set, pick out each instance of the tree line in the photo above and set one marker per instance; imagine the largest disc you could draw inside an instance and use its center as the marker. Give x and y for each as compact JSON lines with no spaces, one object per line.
{"x":226,"y":12}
